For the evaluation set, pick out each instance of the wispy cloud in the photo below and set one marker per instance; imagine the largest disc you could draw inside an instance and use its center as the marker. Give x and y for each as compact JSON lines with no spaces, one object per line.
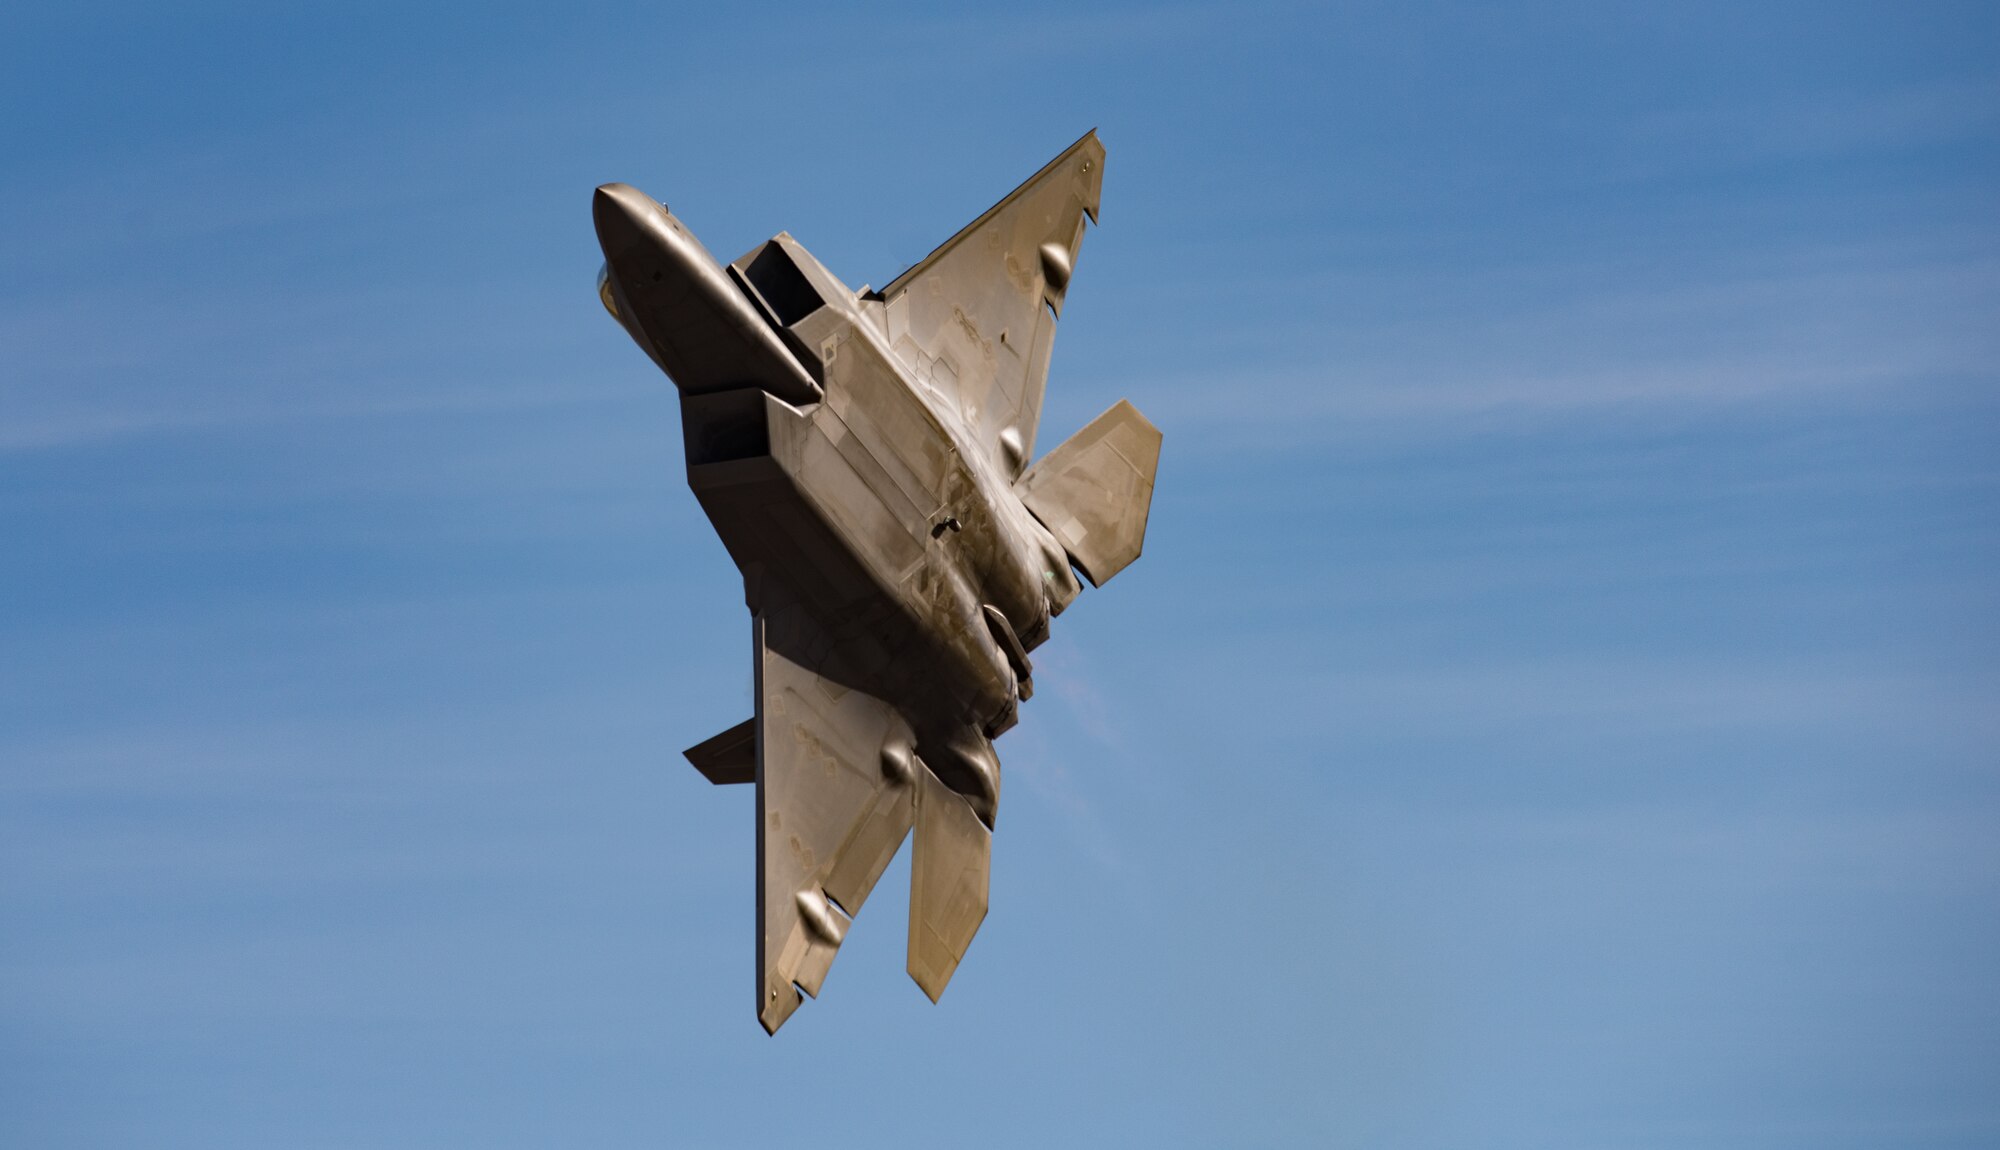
{"x":82,"y":370}
{"x":1805,"y":124}
{"x":1883,"y":849}
{"x":1883,"y":331}
{"x":1650,"y":696}
{"x":79,"y":425}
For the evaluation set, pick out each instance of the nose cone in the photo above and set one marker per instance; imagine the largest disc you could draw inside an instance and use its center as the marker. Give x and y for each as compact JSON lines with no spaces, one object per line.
{"x":623,"y":215}
{"x":681,"y":306}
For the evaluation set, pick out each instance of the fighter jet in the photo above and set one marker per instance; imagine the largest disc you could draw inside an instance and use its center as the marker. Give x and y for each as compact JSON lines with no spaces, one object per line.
{"x":866,"y":458}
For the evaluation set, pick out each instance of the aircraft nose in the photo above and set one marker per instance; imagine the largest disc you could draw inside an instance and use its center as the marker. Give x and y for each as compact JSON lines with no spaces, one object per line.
{"x":622,"y":213}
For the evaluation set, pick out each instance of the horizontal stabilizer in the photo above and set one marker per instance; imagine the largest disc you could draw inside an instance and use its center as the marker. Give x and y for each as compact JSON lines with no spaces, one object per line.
{"x":948,"y":881}
{"x":730,"y":757}
{"x":1093,"y":493}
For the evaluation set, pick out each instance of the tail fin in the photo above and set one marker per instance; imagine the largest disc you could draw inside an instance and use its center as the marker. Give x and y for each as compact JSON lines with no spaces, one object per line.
{"x":1094,"y":492}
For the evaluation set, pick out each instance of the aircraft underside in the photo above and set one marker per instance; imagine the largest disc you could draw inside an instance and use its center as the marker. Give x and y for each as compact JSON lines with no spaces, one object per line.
{"x":864,"y":457}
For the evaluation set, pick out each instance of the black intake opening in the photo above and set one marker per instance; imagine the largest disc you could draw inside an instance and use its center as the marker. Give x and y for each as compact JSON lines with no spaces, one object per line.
{"x":724,"y":426}
{"x":785,"y":289}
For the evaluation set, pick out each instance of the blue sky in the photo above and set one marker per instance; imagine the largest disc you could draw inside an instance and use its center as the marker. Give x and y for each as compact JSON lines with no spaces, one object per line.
{"x":1555,"y":708}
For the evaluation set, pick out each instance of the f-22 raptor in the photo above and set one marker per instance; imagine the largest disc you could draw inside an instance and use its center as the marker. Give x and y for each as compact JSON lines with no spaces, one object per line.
{"x":866,"y":458}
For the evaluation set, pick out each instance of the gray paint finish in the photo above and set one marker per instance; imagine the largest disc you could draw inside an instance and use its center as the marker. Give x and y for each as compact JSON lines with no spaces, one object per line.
{"x":865,"y":459}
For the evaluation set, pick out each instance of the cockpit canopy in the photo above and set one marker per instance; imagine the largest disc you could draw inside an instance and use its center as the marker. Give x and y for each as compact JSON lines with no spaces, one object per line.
{"x":606,"y":295}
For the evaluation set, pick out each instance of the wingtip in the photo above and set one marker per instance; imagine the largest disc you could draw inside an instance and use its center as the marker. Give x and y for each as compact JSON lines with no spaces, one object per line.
{"x":777,"y":1007}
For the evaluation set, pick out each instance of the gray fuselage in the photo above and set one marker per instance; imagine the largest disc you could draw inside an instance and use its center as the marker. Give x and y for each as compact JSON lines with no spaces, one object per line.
{"x":842,"y":484}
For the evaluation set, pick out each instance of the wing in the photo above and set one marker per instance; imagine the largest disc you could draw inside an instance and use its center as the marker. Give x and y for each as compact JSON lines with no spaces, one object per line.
{"x":835,"y":797}
{"x":976,"y":319}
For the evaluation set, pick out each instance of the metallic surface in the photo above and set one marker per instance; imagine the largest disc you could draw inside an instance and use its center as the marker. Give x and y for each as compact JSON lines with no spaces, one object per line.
{"x":865,"y":459}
